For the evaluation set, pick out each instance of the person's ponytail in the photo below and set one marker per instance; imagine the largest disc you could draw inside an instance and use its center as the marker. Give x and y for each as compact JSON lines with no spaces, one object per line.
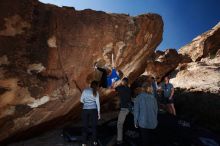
{"x":94,"y":86}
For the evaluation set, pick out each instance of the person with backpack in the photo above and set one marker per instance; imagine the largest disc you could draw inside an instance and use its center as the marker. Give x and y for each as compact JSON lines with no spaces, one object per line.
{"x":124,"y":93}
{"x":145,"y":113}
{"x":91,"y":111}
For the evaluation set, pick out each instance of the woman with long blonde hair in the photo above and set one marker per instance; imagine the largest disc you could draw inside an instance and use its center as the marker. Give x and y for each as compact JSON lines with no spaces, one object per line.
{"x":145,"y":113}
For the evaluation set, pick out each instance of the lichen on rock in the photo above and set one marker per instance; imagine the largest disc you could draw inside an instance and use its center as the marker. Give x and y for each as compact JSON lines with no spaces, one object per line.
{"x":14,"y":25}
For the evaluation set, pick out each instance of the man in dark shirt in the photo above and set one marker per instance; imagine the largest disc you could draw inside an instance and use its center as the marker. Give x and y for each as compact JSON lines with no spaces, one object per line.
{"x":124,"y":93}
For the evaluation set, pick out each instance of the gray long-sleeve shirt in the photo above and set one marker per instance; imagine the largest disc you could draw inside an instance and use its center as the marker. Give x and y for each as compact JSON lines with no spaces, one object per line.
{"x":145,"y":111}
{"x":89,"y":100}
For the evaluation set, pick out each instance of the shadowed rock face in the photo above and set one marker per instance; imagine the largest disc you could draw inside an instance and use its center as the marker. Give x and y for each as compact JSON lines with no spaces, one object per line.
{"x":205,"y":45}
{"x":47,"y":54}
{"x":164,"y":63}
{"x":200,"y":107}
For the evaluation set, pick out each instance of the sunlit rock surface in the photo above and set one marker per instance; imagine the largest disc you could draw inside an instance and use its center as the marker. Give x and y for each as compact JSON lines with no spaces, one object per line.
{"x":204,"y":45}
{"x":202,"y":76}
{"x":47,"y":55}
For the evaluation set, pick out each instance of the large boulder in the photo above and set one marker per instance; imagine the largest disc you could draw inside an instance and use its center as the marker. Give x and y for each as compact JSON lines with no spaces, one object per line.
{"x":205,"y":45}
{"x":47,"y":55}
{"x":163,"y":63}
{"x":203,"y":73}
{"x":201,"y":76}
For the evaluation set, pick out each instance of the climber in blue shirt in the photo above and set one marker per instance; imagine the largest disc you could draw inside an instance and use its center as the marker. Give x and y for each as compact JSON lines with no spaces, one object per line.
{"x":108,"y":77}
{"x":112,"y":78}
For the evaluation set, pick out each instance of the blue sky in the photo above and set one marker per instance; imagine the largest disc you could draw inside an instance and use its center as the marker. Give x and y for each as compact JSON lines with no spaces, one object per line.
{"x":183,"y":19}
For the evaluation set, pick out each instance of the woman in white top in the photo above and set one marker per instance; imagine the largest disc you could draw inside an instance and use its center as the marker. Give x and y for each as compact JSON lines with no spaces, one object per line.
{"x":91,"y":111}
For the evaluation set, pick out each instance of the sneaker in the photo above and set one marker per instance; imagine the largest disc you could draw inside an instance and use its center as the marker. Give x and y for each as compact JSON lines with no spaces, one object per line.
{"x":95,"y":143}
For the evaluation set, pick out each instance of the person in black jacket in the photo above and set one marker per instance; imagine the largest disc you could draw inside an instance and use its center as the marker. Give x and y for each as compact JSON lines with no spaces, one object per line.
{"x":124,"y":93}
{"x":103,"y":81}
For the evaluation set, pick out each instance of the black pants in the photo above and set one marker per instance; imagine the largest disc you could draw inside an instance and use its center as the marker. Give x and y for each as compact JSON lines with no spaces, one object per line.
{"x":147,"y":136}
{"x":89,"y":115}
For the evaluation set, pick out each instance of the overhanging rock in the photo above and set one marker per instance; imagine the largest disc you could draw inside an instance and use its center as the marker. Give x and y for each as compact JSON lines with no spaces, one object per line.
{"x":47,"y":54}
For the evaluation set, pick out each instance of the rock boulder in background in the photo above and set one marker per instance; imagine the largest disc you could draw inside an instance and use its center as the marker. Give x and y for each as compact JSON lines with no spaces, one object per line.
{"x":197,"y":83}
{"x":204,"y":45}
{"x":202,"y":76}
{"x":164,"y":63}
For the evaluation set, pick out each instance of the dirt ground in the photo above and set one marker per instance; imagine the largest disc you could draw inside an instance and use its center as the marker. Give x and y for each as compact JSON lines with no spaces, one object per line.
{"x":54,"y":137}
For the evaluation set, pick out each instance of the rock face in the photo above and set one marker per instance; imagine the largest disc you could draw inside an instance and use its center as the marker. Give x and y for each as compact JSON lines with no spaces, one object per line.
{"x":197,"y":94}
{"x":205,"y":45}
{"x":47,"y":54}
{"x":202,"y":76}
{"x":164,"y":63}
